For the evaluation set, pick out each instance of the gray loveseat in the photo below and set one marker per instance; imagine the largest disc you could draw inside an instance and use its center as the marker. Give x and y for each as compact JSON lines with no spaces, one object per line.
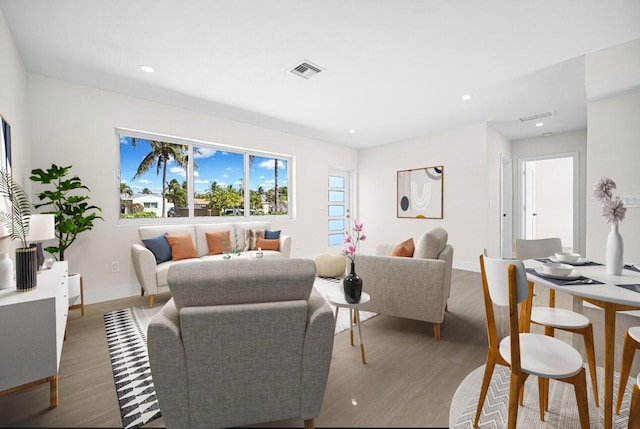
{"x":240,"y":343}
{"x":416,"y":287}
{"x":152,"y":275}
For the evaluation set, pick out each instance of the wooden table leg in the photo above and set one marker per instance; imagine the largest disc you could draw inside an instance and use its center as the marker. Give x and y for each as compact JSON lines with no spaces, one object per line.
{"x":609,"y":348}
{"x":53,"y":391}
{"x":357,"y":314}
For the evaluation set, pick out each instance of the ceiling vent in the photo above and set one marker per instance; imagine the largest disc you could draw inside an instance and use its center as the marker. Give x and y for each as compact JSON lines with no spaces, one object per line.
{"x":537,"y":116}
{"x":306,"y":69}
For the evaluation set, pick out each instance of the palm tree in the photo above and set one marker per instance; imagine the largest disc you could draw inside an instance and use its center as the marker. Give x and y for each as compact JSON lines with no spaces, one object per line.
{"x":160,"y":155}
{"x":125,"y":189}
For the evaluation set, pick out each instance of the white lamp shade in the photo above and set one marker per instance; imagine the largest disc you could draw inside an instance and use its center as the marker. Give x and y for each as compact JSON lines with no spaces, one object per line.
{"x":41,"y":227}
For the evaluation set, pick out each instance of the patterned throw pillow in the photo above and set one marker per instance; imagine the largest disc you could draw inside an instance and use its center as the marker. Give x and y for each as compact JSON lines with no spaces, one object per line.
{"x":218,"y":242}
{"x":159,"y":247}
{"x":181,"y":247}
{"x":250,"y":238}
{"x":265,"y":244}
{"x":404,"y":249}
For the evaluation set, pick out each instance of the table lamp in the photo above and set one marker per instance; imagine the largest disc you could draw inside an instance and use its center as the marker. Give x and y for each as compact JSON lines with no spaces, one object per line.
{"x":41,"y":228}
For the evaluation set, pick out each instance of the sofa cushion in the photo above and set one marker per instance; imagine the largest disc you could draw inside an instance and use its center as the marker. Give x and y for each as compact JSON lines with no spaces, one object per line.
{"x":159,"y":247}
{"x":404,"y":249}
{"x":218,"y":242}
{"x":264,"y":244}
{"x":272,"y":235}
{"x":240,"y":281}
{"x":201,"y":229}
{"x":251,"y":238}
{"x":181,"y":247}
{"x":431,"y":244}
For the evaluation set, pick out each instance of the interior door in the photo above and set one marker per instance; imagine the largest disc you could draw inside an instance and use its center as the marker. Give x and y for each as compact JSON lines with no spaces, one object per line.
{"x":529,"y":200}
{"x":506,"y":207}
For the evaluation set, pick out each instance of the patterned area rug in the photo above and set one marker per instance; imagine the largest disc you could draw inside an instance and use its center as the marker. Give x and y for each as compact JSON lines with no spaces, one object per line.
{"x":127,"y":341}
{"x":563,"y":411}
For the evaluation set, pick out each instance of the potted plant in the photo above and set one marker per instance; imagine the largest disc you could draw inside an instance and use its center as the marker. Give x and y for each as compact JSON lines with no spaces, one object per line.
{"x":66,"y":198}
{"x":15,"y":218}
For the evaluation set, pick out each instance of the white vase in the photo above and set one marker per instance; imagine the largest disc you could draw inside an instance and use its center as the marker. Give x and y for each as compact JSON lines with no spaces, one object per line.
{"x":6,"y":271}
{"x":614,"y":251}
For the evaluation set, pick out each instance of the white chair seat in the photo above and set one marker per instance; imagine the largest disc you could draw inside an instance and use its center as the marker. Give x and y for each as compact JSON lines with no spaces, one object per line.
{"x":544,"y":356}
{"x":558,"y":318}
{"x":634,"y":333}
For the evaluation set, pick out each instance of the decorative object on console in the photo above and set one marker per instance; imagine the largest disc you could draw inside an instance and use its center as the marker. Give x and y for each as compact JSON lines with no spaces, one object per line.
{"x":420,"y":193}
{"x":352,"y":283}
{"x":41,"y":228}
{"x":613,"y":210}
{"x":6,"y":271}
{"x":17,"y":222}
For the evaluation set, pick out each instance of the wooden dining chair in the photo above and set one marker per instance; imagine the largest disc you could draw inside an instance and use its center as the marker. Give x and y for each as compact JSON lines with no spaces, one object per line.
{"x":634,"y":408}
{"x":557,"y":318}
{"x":631,"y":344}
{"x":504,"y":283}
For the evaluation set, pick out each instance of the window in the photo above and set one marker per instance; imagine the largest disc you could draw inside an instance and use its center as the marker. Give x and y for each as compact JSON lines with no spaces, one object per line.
{"x":169,"y":177}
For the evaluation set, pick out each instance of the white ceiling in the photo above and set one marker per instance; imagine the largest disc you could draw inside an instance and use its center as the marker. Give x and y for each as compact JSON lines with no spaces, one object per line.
{"x":393,"y":69}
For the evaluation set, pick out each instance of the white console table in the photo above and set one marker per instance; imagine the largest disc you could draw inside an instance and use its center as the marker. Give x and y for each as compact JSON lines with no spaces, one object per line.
{"x":32,"y":327}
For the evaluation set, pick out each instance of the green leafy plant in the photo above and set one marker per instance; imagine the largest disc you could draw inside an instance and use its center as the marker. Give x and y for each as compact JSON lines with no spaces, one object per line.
{"x":17,"y":219}
{"x":66,"y":201}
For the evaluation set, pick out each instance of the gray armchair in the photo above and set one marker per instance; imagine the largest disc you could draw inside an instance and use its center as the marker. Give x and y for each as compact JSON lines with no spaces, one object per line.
{"x":414,"y":288}
{"x":241,"y":342}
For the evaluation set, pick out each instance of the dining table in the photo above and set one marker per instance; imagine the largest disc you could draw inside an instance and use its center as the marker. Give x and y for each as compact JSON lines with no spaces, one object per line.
{"x":590,"y":282}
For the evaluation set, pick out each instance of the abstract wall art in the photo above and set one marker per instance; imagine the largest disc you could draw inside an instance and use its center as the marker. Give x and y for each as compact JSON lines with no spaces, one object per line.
{"x":420,"y":193}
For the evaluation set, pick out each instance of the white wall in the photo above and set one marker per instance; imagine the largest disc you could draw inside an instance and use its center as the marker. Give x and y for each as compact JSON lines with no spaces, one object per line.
{"x":74,"y":125}
{"x":13,"y":108}
{"x":497,"y":145}
{"x":614,"y":141}
{"x":463,"y":154}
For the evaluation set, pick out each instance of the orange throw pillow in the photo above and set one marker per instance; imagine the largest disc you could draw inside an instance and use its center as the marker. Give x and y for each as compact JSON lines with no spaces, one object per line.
{"x":265,"y":244}
{"x":181,"y":247}
{"x":404,"y":249}
{"x":218,"y":242}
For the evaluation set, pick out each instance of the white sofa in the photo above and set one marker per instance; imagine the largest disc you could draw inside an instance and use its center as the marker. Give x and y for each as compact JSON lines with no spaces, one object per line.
{"x":152,"y":276}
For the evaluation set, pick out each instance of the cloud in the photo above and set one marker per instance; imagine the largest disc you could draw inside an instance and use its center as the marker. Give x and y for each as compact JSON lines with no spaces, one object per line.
{"x":270,"y":163}
{"x":201,"y":182}
{"x":205,"y":152}
{"x":178,"y":171}
{"x":144,"y":181}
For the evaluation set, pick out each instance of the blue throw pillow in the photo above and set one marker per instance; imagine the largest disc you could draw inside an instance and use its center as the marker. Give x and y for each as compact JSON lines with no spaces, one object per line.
{"x":271,"y":235}
{"x":160,"y":248}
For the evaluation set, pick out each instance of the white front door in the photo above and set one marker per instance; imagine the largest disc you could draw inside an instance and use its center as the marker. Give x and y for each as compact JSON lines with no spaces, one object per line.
{"x":338,"y":209}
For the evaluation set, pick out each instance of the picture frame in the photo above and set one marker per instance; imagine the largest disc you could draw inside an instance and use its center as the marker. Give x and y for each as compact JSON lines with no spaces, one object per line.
{"x":5,"y":165}
{"x":420,"y":193}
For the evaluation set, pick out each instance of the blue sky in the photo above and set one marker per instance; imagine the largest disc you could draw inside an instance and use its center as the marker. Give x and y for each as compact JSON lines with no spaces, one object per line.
{"x":213,"y":165}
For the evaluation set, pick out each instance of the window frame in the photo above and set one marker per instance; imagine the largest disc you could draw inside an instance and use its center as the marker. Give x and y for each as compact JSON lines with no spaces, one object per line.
{"x":190,"y":143}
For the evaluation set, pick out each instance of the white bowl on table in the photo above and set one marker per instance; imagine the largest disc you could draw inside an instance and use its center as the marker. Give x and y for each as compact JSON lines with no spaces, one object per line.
{"x":567,"y":257}
{"x":556,"y":269}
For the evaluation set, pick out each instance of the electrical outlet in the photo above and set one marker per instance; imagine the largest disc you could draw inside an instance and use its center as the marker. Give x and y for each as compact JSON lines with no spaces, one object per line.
{"x":115,"y":267}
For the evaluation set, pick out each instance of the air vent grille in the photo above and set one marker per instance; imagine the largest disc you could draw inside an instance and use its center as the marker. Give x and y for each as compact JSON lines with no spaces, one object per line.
{"x":537,"y":116}
{"x":306,"y":69}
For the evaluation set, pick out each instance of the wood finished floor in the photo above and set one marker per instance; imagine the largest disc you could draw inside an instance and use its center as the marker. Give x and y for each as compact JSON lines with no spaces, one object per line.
{"x":408,"y":381}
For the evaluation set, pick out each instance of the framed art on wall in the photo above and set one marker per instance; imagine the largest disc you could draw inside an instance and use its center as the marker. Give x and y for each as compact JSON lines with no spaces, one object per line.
{"x":420,"y":193}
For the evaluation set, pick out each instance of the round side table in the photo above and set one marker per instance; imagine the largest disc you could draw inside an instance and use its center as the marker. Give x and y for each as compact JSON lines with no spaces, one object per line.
{"x":337,"y":299}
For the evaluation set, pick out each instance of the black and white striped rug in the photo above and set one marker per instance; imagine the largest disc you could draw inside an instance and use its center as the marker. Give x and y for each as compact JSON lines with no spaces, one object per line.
{"x":127,"y":342}
{"x":563,"y":410}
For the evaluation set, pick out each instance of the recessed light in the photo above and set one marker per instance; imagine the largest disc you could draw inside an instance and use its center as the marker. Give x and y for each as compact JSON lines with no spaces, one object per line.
{"x":352,"y":131}
{"x":466,"y":97}
{"x":547,"y":134}
{"x":539,"y":124}
{"x":147,"y":69}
